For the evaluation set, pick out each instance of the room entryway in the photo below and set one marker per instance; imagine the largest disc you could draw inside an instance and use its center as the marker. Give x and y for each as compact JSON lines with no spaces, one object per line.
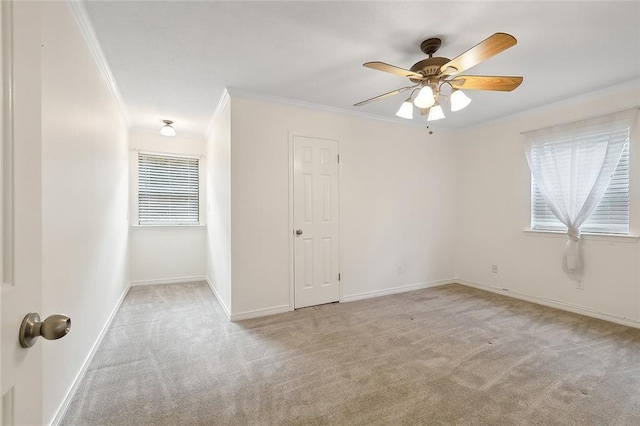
{"x":315,"y":220}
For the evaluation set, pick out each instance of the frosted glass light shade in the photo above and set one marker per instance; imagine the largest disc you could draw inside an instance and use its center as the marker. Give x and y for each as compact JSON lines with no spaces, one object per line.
{"x":435,"y":113}
{"x":459,"y":100}
{"x":167,"y":130}
{"x":425,"y":98}
{"x":406,"y":110}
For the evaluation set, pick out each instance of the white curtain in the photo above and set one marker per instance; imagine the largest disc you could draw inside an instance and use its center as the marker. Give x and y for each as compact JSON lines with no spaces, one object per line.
{"x":572,"y":165}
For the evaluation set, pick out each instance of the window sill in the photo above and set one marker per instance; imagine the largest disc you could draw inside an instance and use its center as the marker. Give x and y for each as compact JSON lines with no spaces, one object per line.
{"x":201,"y":225}
{"x":586,"y":236}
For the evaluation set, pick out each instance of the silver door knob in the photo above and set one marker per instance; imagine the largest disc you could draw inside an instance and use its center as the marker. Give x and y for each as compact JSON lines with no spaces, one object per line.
{"x":52,"y":328}
{"x":298,"y":231}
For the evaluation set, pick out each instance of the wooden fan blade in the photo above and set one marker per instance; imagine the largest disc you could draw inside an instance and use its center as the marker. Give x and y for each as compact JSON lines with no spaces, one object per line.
{"x":381,"y":66}
{"x":482,"y":82}
{"x":482,"y":51}
{"x":394,"y":92}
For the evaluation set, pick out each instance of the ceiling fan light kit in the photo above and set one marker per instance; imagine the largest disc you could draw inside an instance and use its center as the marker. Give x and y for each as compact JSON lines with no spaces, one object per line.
{"x":458,"y":100}
{"x":435,"y":113}
{"x":429,"y":75}
{"x":406,"y":110}
{"x":425,"y":98}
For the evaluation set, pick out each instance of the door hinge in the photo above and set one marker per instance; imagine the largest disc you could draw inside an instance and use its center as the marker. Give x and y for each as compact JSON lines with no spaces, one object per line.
{"x":338,"y":276}
{"x":338,"y":158}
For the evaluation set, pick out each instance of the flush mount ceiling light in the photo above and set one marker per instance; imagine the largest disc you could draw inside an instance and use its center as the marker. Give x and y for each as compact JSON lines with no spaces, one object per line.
{"x":429,"y":75}
{"x":167,"y":129}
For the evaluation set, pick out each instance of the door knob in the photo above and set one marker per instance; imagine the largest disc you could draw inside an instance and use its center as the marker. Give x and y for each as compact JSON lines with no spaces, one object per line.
{"x":52,"y":328}
{"x":298,"y":231}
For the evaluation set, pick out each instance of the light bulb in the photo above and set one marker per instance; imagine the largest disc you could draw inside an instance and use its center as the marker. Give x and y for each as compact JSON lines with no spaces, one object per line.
{"x":435,"y":113}
{"x":459,"y":100}
{"x":167,"y":130}
{"x":406,"y":110}
{"x":425,"y":98}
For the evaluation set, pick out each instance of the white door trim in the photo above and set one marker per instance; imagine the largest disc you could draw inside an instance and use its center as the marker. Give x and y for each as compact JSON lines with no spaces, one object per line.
{"x":6,"y":124}
{"x":292,"y":282}
{"x":6,"y":148}
{"x":3,"y":95}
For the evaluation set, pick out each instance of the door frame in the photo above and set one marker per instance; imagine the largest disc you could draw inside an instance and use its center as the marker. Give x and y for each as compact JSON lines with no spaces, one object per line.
{"x":3,"y":96}
{"x":6,"y":142}
{"x":292,"y":281}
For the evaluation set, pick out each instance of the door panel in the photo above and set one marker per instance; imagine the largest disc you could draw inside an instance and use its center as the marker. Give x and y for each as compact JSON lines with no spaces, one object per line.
{"x":315,"y":213}
{"x":22,"y":210}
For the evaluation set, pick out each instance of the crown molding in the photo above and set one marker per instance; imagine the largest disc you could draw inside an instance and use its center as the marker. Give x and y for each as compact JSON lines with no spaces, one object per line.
{"x":86,"y":29}
{"x":564,"y":103}
{"x":235,"y":92}
{"x":222,"y":104}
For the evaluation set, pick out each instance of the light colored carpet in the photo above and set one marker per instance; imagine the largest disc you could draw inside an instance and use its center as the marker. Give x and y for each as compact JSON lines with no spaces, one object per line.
{"x":449,"y":355}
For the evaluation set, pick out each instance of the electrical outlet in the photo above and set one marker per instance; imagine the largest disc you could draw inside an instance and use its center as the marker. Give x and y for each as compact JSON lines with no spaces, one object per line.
{"x":494,"y":269}
{"x":579,"y":285}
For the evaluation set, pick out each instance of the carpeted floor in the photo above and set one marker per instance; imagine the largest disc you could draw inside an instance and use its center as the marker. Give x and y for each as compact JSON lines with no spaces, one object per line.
{"x":444,"y":356}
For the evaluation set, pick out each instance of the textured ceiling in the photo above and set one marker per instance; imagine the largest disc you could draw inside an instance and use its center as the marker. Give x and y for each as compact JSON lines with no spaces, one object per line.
{"x":173,"y":59}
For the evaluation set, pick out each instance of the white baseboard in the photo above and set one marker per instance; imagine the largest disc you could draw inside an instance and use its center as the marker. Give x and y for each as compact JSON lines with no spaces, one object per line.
{"x":248,"y":314}
{"x":558,"y":304}
{"x":225,"y":308}
{"x":349,"y":298}
{"x":394,"y":290}
{"x":260,"y":313}
{"x":83,"y":370}
{"x":177,"y":280}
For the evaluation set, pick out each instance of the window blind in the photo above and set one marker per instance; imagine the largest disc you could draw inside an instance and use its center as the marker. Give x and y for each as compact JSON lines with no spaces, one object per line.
{"x":611,"y":216}
{"x":168,"y":190}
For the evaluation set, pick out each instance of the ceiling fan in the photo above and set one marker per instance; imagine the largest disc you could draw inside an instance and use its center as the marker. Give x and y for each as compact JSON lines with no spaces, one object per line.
{"x":429,"y":75}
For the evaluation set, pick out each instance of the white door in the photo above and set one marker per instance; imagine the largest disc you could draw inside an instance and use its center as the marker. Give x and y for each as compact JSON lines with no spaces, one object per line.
{"x":315,"y":220}
{"x":21,"y":383}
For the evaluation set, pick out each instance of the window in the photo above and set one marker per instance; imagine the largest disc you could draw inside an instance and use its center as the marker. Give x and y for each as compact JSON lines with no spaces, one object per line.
{"x":611,"y":216}
{"x":168,"y":190}
{"x":583,"y":169}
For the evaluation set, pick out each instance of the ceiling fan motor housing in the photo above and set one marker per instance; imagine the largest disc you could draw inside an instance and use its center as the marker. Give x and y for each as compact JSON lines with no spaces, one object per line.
{"x":428,"y":67}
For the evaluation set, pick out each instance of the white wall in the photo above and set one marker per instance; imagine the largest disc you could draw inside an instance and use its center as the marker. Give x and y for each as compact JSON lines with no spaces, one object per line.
{"x":219,"y":205}
{"x":84,"y":200}
{"x":493,"y":209}
{"x":164,"y":253}
{"x":396,"y":203}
